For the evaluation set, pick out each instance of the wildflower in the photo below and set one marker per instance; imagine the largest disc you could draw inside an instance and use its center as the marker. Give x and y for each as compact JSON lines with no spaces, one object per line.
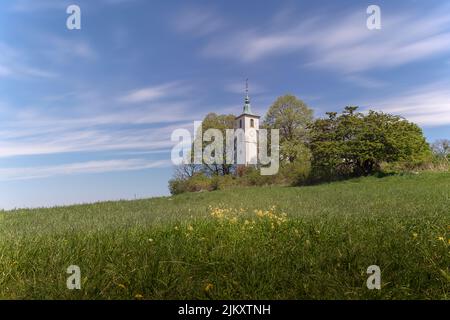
{"x":176,"y":227}
{"x":441,"y":239}
{"x":121,"y":286}
{"x":208,"y":287}
{"x":415,"y":235}
{"x":138,"y":296}
{"x":190,"y":228}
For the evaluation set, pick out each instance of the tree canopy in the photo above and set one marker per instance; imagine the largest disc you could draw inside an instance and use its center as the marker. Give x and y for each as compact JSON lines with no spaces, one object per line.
{"x":292,"y":117}
{"x":353,"y":143}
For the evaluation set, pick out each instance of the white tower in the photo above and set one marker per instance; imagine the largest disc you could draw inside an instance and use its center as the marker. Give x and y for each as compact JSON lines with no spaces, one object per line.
{"x":249,"y":123}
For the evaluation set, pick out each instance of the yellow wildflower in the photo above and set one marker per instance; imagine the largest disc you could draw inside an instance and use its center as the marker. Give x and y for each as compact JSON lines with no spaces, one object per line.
{"x":415,"y":235}
{"x":139,"y":296}
{"x":208,"y":287}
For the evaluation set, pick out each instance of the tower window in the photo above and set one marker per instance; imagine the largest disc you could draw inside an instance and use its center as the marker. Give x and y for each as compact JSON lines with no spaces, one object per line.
{"x":252,"y":123}
{"x":240,"y":123}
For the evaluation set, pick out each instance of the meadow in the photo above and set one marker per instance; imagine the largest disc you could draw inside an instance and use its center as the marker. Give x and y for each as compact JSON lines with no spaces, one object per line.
{"x":312,"y":242}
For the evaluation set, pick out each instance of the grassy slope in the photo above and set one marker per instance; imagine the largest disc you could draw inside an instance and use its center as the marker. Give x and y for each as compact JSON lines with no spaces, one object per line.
{"x":167,"y":248}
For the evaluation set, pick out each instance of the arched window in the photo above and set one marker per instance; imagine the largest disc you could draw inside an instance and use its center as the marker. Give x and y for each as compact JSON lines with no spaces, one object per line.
{"x":252,"y":123}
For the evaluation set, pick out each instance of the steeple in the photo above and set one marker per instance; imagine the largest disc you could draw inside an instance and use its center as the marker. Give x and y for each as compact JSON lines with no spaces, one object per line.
{"x":247,"y":106}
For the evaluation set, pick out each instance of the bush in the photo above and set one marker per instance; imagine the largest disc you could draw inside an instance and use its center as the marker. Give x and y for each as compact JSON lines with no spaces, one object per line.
{"x":225,"y":182}
{"x":198,"y":182}
{"x":432,"y":163}
{"x":253,"y":177}
{"x":177,"y":186}
{"x":296,"y":173}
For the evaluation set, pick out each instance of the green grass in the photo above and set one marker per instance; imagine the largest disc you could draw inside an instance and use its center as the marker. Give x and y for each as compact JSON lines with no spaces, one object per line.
{"x":172,"y":248}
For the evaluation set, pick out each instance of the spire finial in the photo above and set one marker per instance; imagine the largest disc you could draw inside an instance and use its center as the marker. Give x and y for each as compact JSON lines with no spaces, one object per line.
{"x":247,"y":107}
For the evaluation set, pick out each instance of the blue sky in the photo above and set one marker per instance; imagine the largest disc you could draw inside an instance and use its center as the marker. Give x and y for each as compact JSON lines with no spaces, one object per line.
{"x":86,"y":115}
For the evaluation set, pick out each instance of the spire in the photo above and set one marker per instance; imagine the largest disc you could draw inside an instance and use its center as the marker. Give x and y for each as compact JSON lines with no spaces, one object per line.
{"x":247,"y":106}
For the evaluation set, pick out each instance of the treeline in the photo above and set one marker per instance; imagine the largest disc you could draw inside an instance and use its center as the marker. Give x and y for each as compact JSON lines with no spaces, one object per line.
{"x":338,"y":146}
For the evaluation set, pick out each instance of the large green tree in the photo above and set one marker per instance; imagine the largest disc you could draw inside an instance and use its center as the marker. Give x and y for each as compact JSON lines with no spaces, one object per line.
{"x":353,"y":143}
{"x":220,"y":122}
{"x":291,"y":116}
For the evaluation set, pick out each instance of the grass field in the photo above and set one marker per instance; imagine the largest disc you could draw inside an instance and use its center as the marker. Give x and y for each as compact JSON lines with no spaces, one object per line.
{"x":251,"y":243}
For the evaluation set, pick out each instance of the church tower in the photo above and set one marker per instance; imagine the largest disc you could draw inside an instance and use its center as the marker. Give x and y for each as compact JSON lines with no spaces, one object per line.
{"x":249,"y":123}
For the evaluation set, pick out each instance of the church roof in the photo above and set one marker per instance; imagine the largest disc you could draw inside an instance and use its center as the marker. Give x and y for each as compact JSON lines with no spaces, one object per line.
{"x":247,"y":110}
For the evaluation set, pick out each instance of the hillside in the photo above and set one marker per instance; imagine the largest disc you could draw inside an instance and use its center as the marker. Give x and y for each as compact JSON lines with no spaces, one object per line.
{"x":266,"y":243}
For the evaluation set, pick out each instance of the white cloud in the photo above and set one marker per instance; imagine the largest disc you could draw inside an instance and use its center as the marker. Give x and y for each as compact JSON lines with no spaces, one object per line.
{"x":23,"y":173}
{"x":197,"y":21}
{"x":427,"y":106}
{"x":32,"y":5}
{"x":62,"y":137}
{"x":151,"y":93}
{"x":12,"y":64}
{"x":343,"y":44}
{"x":64,"y":50}
{"x":93,"y":122}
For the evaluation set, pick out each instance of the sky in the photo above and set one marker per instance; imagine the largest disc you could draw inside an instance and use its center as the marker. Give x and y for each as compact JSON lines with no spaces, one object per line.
{"x":87,"y":115}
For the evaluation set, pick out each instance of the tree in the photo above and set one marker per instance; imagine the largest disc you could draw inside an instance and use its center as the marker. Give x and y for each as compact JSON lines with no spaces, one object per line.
{"x":292,"y":117}
{"x":186,"y":171}
{"x":220,"y":122}
{"x":354,"y":144}
{"x":441,"y":148}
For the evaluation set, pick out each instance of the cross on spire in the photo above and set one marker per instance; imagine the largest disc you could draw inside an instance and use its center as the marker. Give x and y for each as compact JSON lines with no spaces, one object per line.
{"x":246,"y":87}
{"x":247,"y":107}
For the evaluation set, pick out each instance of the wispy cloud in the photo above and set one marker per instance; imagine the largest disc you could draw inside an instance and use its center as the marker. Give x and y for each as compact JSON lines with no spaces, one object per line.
{"x":427,"y":105}
{"x":62,"y":50}
{"x":31,"y":5}
{"x":152,"y":93}
{"x":197,"y":21}
{"x":13,"y":64}
{"x":26,"y":6}
{"x":139,"y":120}
{"x":345,"y":45}
{"x":123,"y":130}
{"x":24,"y":173}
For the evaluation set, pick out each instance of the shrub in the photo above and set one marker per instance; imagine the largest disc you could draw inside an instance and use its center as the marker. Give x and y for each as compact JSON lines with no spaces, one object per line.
{"x":296,"y":173}
{"x":253,"y":177}
{"x":177,"y":186}
{"x":226,"y":182}
{"x":199,"y":182}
